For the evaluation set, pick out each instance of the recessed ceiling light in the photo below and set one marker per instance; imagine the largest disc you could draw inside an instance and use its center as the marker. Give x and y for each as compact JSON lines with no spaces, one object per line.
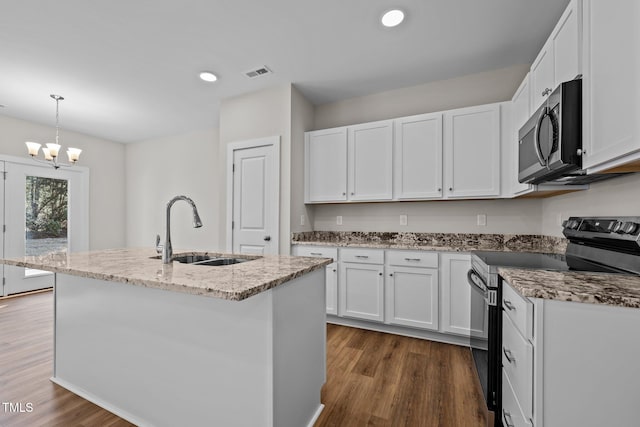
{"x":392,"y":18}
{"x":208,"y":76}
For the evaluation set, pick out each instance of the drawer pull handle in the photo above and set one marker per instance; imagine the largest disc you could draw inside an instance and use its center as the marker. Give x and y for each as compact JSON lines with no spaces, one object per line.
{"x":362,"y":256}
{"x":316,"y":253}
{"x":508,"y":355}
{"x":507,"y":418}
{"x":413,"y":259}
{"x":334,"y":270}
{"x":508,"y":305}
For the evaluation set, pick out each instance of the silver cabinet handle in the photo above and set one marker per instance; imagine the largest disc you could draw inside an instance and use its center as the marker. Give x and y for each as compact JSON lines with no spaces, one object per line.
{"x":352,"y":193}
{"x":315,"y":253}
{"x":508,"y":305}
{"x":334,"y":270}
{"x":439,"y":190}
{"x":344,"y":194}
{"x":362,"y":256}
{"x":390,"y":274}
{"x":508,"y":355}
{"x":507,"y":418}
{"x":412,"y":259}
{"x":379,"y":274}
{"x":267,"y":238}
{"x":450,"y":188}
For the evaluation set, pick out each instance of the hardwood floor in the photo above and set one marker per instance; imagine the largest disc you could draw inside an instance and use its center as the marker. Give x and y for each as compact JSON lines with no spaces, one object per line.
{"x":373,"y":379}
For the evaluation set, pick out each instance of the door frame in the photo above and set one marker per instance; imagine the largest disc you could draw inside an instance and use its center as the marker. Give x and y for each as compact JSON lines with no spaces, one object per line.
{"x":273,"y":141}
{"x":80,"y":232}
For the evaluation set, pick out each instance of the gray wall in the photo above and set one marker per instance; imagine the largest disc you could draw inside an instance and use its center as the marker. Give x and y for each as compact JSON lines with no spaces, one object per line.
{"x":104,"y":158}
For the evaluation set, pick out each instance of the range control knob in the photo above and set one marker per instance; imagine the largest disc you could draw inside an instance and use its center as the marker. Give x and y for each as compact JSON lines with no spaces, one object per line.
{"x":617,"y":227}
{"x":629,"y":227}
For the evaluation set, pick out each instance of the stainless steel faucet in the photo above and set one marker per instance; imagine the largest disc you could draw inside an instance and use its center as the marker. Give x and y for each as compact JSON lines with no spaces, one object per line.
{"x":167,"y":250}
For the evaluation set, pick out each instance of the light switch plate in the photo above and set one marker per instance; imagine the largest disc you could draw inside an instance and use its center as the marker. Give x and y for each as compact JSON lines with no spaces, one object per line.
{"x":302,"y":219}
{"x":403,"y":220}
{"x":482,"y":220}
{"x":339,"y":220}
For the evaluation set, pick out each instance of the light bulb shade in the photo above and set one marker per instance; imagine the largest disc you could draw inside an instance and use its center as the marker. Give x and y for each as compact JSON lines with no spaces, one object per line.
{"x":47,"y":153}
{"x":73,"y":154}
{"x":53,"y":149}
{"x":33,"y":148}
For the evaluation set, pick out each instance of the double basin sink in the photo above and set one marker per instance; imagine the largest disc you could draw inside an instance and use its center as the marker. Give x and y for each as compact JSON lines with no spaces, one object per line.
{"x":208,"y":260}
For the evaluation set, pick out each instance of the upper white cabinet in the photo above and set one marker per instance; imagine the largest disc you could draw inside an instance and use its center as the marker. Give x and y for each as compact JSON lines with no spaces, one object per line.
{"x":370,"y":161}
{"x":611,"y":99}
{"x":520,"y":113}
{"x":560,"y":58}
{"x":326,"y":165}
{"x":418,"y":157}
{"x":472,"y":152}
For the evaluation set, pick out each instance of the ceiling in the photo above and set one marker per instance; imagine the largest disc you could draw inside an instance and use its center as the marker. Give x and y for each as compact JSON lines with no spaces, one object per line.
{"x":129,"y":69}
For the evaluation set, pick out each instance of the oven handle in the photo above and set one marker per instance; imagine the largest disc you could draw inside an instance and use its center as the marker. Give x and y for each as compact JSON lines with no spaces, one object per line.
{"x":536,"y":138}
{"x":482,"y":289}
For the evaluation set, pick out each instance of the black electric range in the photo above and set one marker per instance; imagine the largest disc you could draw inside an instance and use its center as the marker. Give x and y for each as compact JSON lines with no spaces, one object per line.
{"x":600,"y":244}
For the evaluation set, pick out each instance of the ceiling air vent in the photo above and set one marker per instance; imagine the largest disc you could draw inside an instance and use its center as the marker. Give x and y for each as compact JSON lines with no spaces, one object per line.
{"x":257,"y":72}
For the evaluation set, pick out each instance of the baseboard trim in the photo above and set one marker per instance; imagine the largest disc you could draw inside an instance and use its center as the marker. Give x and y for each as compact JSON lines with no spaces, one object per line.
{"x":24,"y":294}
{"x":316,"y":415}
{"x":101,"y":403}
{"x":407,"y":332}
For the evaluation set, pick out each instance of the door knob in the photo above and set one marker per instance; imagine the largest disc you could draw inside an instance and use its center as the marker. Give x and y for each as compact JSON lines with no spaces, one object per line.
{"x":267,"y":238}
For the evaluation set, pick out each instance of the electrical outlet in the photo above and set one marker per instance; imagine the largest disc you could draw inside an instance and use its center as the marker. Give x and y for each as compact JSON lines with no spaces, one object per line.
{"x":302,"y":219}
{"x":559,"y":219}
{"x":339,"y":220}
{"x":482,"y":220}
{"x":403,"y":220}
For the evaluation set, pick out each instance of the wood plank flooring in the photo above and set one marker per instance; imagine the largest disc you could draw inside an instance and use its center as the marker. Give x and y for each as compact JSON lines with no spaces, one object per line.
{"x":373,"y":379}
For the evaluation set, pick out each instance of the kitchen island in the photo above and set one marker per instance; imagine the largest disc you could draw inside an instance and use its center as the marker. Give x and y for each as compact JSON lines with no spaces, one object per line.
{"x":179,"y":344}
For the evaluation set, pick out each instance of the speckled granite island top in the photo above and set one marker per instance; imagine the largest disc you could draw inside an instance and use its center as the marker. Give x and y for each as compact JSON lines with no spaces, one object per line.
{"x":137,"y":267}
{"x":595,"y":288}
{"x":452,"y":242}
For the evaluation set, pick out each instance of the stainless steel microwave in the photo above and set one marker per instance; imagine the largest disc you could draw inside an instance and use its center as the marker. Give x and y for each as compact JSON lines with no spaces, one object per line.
{"x":550,"y":145}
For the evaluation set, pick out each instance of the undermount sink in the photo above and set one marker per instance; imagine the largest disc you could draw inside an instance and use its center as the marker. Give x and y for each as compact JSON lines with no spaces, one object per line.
{"x":195,"y":259}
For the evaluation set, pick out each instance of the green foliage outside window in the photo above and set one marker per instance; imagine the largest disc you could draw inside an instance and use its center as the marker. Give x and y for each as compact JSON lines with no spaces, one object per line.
{"x":46,"y":207}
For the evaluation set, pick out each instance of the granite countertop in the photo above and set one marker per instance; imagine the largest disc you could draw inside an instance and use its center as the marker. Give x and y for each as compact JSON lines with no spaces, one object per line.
{"x":137,"y":266}
{"x":451,"y":242}
{"x":595,"y":288}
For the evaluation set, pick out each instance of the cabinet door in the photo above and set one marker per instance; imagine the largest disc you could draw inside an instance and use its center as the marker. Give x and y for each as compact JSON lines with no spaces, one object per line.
{"x":412,"y":297}
{"x":542,"y":78}
{"x":567,"y":45}
{"x":472,"y":152}
{"x":331,"y":280}
{"x":361,"y":291}
{"x":458,"y":297}
{"x":520,"y":113}
{"x":371,"y":161}
{"x":418,"y":157}
{"x":611,"y":99}
{"x":326,"y":165}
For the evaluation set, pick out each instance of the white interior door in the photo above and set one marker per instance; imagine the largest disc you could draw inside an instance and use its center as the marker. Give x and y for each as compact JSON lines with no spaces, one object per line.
{"x":255,"y":176}
{"x":31,"y":228}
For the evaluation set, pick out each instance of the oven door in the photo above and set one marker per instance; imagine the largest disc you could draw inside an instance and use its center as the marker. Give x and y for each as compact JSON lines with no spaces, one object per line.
{"x":486,"y":357}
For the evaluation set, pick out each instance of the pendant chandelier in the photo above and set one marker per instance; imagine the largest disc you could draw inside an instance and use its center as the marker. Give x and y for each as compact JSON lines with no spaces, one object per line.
{"x":52,"y":149}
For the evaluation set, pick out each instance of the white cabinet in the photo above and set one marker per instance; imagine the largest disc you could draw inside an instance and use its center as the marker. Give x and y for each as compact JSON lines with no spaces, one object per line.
{"x":611,"y":100}
{"x":371,"y":161}
{"x":412,"y":289}
{"x":520,"y":113}
{"x":472,"y":152}
{"x":331,"y":272}
{"x":418,"y":157}
{"x":326,"y":165}
{"x":361,"y":284}
{"x":457,"y":296}
{"x":561,"y":56}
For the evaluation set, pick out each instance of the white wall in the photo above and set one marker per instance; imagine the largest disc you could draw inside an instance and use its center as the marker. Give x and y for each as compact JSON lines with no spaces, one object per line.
{"x":255,"y":115}
{"x":159,"y":169}
{"x":104,"y":158}
{"x":615,"y":197}
{"x":503,"y":216}
{"x":302,"y":119}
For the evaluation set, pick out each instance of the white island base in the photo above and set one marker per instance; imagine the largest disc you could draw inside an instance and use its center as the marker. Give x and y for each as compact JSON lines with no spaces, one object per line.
{"x":163,"y":358}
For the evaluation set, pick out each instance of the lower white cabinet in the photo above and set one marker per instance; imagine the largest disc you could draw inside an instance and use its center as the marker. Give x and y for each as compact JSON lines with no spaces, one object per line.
{"x":412,"y":297}
{"x":331,"y":288}
{"x":361,"y":291}
{"x":458,"y":297}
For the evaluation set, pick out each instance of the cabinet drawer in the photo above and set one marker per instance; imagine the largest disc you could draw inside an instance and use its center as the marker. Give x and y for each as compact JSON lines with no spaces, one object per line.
{"x":511,"y":414}
{"x":517,"y":362}
{"x":519,"y":310}
{"x":316,"y":251}
{"x":363,"y":256}
{"x":412,"y":259}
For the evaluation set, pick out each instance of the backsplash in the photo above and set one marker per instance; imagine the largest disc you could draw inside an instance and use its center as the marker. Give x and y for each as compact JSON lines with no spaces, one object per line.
{"x":460,"y":241}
